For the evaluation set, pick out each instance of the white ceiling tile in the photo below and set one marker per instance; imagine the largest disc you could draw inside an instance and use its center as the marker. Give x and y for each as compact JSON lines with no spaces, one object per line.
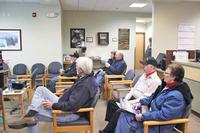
{"x":103,"y":5}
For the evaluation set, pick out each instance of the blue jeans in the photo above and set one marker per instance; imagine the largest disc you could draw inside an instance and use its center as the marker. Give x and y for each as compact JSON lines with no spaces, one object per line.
{"x":100,"y":78}
{"x":53,"y":84}
{"x":127,"y":124}
{"x":41,"y":94}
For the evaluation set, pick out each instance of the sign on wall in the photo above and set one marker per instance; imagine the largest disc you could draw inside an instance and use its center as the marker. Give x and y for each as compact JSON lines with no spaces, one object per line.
{"x":186,"y":33}
{"x":123,"y":39}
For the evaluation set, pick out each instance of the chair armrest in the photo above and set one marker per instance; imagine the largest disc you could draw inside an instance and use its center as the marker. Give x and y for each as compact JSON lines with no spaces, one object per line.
{"x":23,"y":76}
{"x":175,"y":121}
{"x":121,"y":82}
{"x":114,"y":76}
{"x":59,"y":93}
{"x":123,"y":90}
{"x":64,"y":83}
{"x":80,"y":110}
{"x":63,"y":77}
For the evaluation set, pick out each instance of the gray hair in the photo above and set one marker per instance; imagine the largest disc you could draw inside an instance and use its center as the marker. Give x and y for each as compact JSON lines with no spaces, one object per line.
{"x":85,"y":64}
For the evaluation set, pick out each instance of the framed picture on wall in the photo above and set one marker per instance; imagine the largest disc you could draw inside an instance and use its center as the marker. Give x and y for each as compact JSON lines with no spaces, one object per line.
{"x":89,"y":39}
{"x":103,"y":38}
{"x":10,"y":40}
{"x":123,"y":39}
{"x":77,"y":37}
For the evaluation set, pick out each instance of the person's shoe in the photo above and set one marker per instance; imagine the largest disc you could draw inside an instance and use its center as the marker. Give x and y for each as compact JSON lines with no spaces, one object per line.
{"x":101,"y":131}
{"x":24,"y":122}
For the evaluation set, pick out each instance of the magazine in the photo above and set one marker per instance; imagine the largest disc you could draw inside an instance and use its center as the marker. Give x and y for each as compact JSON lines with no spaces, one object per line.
{"x":127,"y":106}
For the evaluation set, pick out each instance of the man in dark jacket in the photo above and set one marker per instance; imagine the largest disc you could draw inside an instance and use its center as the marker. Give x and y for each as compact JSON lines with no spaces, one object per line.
{"x":117,"y":67}
{"x":67,"y":73}
{"x":81,"y":94}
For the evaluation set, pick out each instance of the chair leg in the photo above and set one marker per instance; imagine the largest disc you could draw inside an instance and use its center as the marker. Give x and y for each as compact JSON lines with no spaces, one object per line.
{"x":4,"y":120}
{"x":3,"y":115}
{"x":91,"y":130}
{"x":43,"y":82}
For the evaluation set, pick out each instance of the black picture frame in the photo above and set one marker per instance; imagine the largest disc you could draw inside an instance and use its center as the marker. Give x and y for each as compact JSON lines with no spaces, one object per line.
{"x":10,"y":40}
{"x":77,"y":37}
{"x":103,"y":38}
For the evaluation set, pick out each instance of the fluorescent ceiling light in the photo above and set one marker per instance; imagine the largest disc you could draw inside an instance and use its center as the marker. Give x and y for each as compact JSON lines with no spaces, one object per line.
{"x":140,"y":21}
{"x":140,"y":5}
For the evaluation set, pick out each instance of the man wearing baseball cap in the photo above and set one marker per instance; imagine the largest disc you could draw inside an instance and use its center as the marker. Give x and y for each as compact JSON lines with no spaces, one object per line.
{"x":145,"y":86}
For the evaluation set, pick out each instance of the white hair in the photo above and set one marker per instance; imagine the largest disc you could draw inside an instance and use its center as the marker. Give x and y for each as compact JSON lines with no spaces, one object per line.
{"x":85,"y":64}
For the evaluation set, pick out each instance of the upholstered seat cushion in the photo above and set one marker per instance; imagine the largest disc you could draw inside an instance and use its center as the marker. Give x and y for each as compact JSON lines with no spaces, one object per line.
{"x":52,"y":75}
{"x":13,"y":76}
{"x":80,"y":121}
{"x":54,"y":68}
{"x":39,"y":75}
{"x":20,"y":69}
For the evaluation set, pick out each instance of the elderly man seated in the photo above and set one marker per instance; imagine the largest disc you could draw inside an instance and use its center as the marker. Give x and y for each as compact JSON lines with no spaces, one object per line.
{"x":145,"y":86}
{"x":117,"y":67}
{"x":81,"y":94}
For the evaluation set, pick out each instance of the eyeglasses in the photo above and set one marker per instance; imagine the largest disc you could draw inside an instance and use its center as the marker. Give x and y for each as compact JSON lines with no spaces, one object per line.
{"x":166,"y":72}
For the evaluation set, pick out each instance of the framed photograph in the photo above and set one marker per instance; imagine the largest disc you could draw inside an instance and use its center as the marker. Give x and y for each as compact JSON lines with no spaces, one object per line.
{"x":77,"y":37}
{"x":123,"y":39}
{"x":103,"y":38}
{"x":10,"y":40}
{"x":89,"y":39}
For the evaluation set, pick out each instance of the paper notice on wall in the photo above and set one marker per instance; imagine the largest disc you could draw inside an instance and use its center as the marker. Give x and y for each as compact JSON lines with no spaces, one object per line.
{"x":186,"y":36}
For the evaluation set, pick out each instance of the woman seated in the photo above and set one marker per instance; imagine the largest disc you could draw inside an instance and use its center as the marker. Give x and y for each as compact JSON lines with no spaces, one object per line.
{"x":81,"y":94}
{"x":168,"y":102}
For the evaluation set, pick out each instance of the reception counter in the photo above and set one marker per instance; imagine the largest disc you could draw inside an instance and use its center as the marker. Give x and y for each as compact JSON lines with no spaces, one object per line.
{"x":192,"y":77}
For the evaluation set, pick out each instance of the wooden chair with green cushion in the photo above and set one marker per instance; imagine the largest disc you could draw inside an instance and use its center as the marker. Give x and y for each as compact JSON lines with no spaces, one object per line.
{"x":121,"y":85}
{"x":40,"y":76}
{"x":82,"y":124}
{"x":181,"y":124}
{"x":53,"y":70}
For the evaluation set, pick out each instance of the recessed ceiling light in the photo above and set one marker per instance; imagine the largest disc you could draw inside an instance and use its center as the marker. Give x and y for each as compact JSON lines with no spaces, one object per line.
{"x":140,"y":5}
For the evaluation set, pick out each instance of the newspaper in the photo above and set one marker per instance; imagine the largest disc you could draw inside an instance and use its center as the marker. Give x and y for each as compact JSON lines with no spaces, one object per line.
{"x":127,"y":106}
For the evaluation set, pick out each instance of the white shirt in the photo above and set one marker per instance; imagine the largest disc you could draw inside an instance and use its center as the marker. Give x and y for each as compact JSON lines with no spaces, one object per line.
{"x":145,"y":86}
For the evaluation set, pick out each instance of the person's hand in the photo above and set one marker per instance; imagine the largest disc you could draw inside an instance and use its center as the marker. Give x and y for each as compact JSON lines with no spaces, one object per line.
{"x":61,"y":71}
{"x":138,"y":117}
{"x":47,"y":104}
{"x":137,"y":105}
{"x":107,"y":64}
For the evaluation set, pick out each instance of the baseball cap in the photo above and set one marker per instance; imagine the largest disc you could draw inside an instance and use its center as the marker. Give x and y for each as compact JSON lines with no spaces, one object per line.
{"x":76,"y":55}
{"x":149,"y":60}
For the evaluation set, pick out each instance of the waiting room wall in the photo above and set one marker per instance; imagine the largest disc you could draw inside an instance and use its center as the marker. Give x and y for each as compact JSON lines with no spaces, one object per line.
{"x":94,"y":22}
{"x":147,"y":29}
{"x":167,"y":17}
{"x":41,"y":36}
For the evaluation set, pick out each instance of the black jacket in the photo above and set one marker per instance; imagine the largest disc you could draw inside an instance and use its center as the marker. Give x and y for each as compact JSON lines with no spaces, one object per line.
{"x":71,"y":71}
{"x":81,"y":94}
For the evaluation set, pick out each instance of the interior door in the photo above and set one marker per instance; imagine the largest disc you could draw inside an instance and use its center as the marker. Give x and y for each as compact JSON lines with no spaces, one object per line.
{"x":139,"y":50}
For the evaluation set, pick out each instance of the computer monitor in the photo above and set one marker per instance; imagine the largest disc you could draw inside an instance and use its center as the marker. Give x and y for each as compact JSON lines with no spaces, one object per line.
{"x":198,"y":55}
{"x":161,"y":61}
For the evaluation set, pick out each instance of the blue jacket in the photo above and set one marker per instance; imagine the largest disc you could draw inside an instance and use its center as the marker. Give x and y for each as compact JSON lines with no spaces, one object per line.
{"x":117,"y":67}
{"x":168,"y":104}
{"x":81,"y":94}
